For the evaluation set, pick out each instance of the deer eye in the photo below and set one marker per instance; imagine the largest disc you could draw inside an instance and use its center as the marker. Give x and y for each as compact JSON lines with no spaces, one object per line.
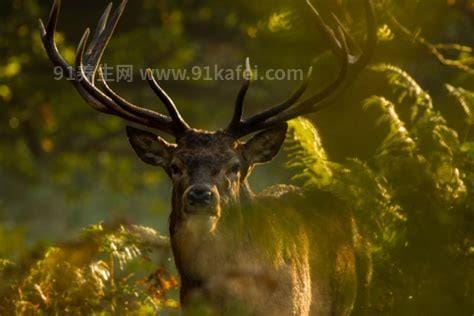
{"x":234,"y":169}
{"x":175,"y":170}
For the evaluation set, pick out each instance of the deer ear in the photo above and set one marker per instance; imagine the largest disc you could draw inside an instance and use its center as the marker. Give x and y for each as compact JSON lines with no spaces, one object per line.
{"x":151,"y":148}
{"x":264,"y":146}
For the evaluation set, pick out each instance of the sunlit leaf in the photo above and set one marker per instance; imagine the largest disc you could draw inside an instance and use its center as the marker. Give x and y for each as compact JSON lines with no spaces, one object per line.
{"x":279,"y":21}
{"x":466,"y":99}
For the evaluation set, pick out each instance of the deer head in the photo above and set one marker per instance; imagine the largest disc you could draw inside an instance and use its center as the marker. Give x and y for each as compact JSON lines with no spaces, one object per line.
{"x":209,"y":170}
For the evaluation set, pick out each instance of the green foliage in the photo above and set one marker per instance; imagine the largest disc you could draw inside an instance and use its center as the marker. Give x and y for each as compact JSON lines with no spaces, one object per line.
{"x":412,"y":201}
{"x":306,"y":154}
{"x":108,"y":270}
{"x":465,"y":99}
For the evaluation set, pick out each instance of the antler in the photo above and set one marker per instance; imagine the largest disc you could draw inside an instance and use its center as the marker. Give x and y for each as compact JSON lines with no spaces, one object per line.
{"x":351,"y":66}
{"x":88,"y":58}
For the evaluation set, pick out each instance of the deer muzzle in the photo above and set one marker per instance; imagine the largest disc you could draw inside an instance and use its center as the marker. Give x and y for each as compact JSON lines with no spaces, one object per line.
{"x":201,"y":199}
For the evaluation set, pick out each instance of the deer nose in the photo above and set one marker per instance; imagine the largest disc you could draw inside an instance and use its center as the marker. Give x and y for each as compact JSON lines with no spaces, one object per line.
{"x":200,"y":196}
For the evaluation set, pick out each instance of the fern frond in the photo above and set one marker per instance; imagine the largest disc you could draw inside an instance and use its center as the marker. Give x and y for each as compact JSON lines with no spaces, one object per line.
{"x":80,"y":277}
{"x":429,"y":138}
{"x":407,"y":88}
{"x":306,"y":154}
{"x":354,"y":182}
{"x":380,"y":219}
{"x":398,"y":140}
{"x":466,"y":99}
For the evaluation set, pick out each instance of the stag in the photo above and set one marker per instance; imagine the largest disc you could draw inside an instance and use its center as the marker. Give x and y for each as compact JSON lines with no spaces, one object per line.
{"x":281,"y":252}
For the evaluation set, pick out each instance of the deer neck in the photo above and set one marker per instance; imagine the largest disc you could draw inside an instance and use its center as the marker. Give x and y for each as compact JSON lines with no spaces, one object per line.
{"x":187,"y":244}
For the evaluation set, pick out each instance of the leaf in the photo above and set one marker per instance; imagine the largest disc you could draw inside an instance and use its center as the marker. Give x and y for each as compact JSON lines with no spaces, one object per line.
{"x":384,"y":33}
{"x":468,"y":149}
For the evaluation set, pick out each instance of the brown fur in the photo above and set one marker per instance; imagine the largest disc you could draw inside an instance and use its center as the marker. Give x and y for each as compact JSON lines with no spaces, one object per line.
{"x":281,"y":252}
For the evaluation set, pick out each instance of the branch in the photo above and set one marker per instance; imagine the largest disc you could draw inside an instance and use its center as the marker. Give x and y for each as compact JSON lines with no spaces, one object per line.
{"x":436,"y":49}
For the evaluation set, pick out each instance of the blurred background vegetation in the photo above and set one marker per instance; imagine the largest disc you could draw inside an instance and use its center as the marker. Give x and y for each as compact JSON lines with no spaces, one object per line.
{"x":64,"y":166}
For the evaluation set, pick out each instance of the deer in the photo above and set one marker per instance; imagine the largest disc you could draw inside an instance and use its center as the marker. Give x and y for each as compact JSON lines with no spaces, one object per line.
{"x":283,"y":251}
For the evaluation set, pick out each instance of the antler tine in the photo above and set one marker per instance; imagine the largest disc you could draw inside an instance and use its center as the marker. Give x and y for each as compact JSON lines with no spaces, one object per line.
{"x":338,"y":47}
{"x":357,"y":63}
{"x":371,"y":42}
{"x":181,"y":124}
{"x":47,"y":37}
{"x":285,"y":104}
{"x":108,"y":102}
{"x":104,"y":32}
{"x":240,"y":101}
{"x":349,"y":39}
{"x":237,"y":125}
{"x":129,"y":107}
{"x":326,"y":92}
{"x":93,"y":53}
{"x":320,"y":100}
{"x":156,"y":121}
